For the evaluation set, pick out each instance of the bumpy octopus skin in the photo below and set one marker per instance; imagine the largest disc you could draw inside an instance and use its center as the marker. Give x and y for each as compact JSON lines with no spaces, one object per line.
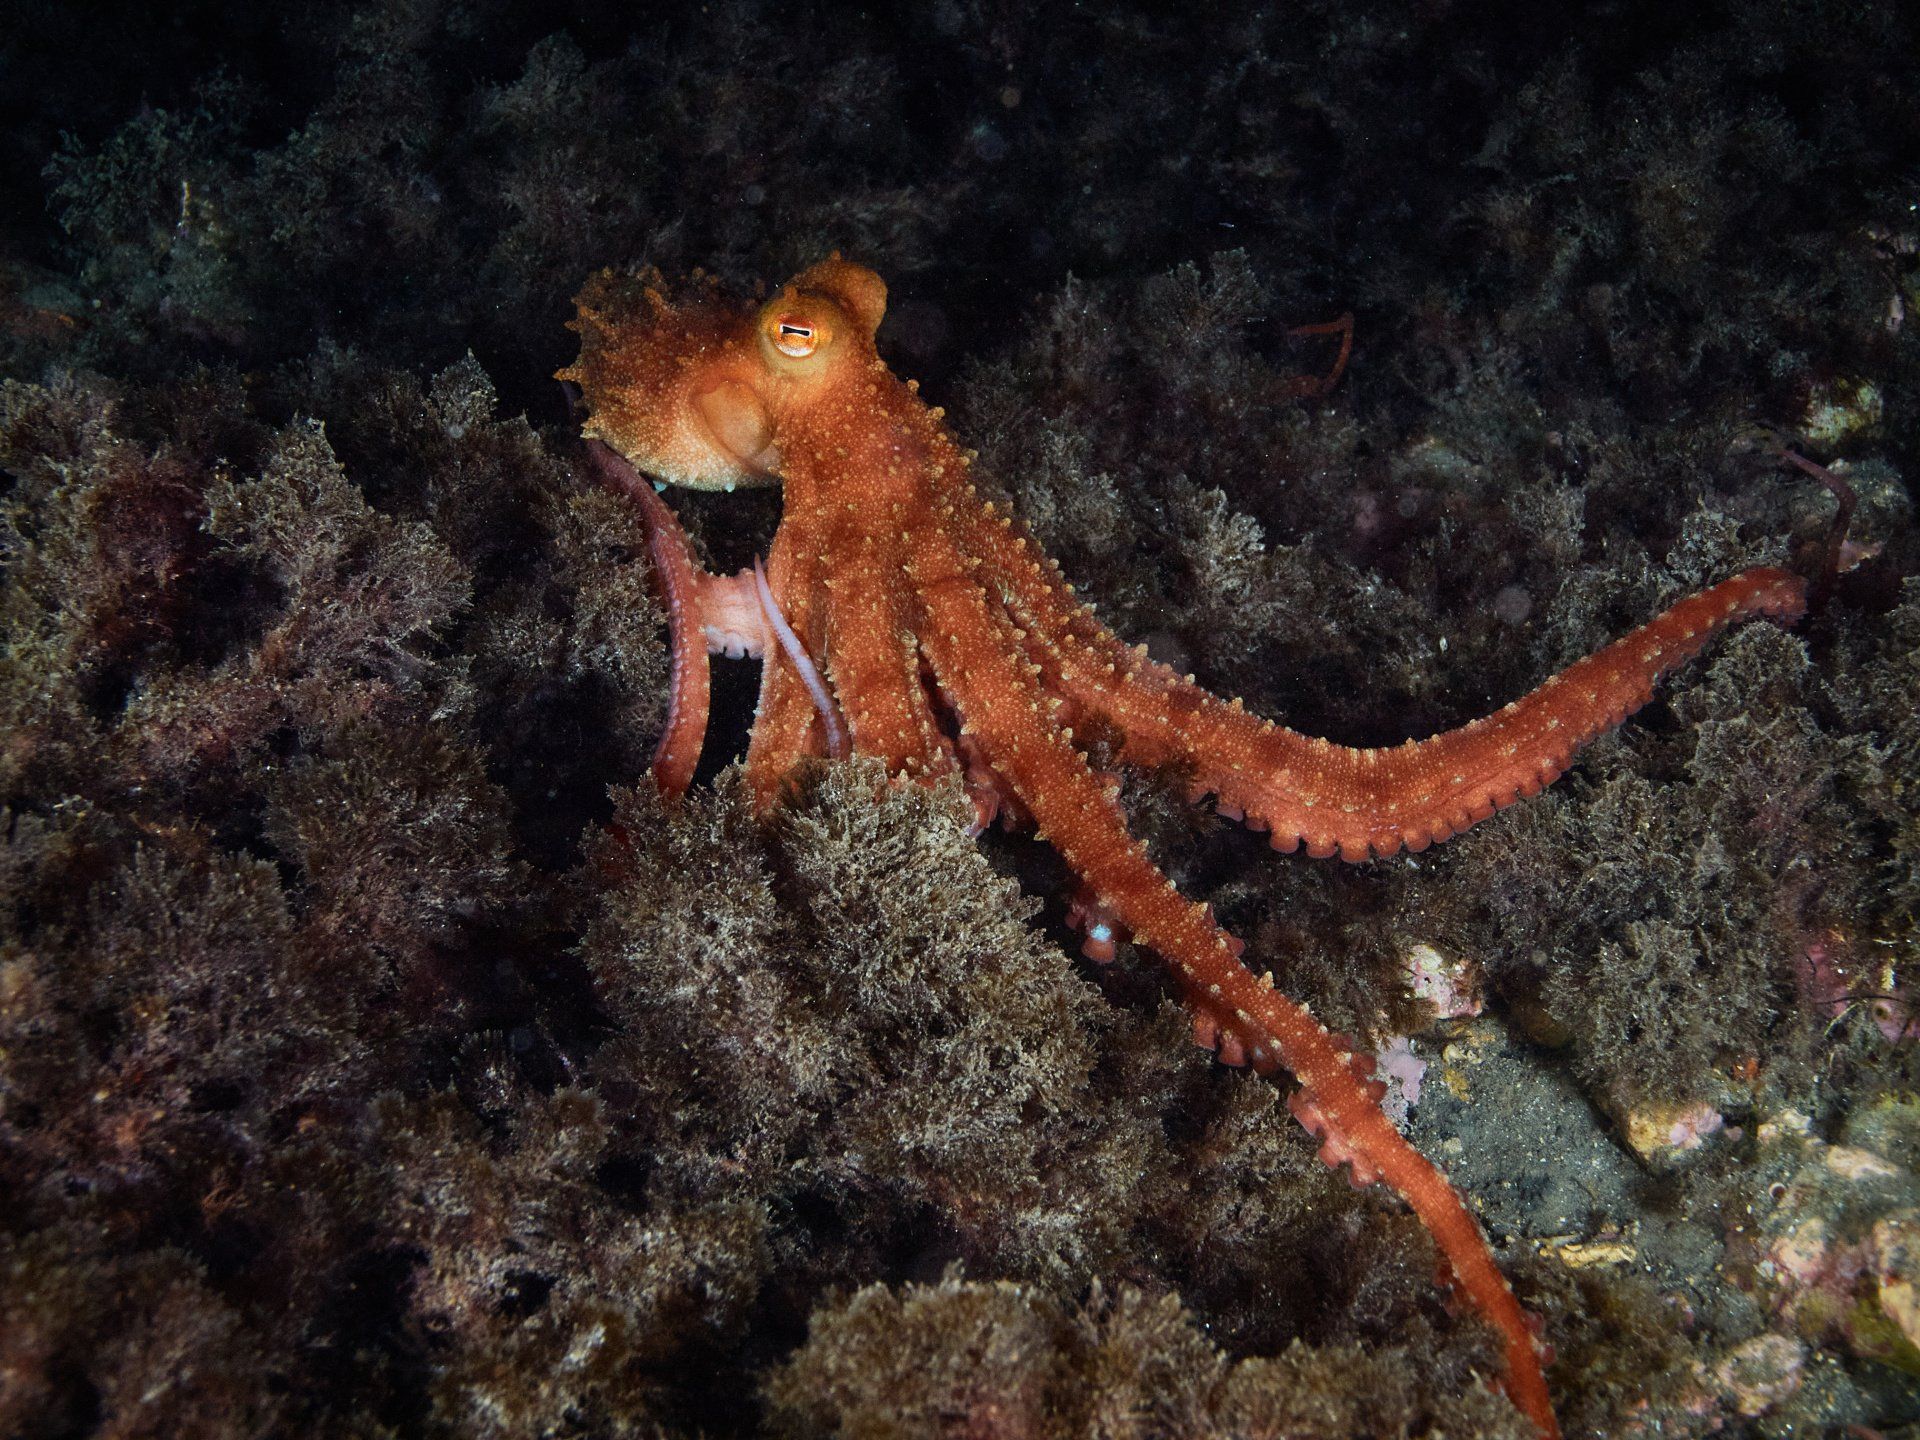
{"x":953,"y":646}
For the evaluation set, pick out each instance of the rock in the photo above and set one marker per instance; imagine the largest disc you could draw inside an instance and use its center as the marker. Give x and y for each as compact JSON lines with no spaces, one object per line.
{"x":1838,"y":1257}
{"x":1759,"y":1373}
{"x":1839,"y":408}
{"x":1450,"y":984}
{"x":1667,"y":1133}
{"x":1886,"y":1321}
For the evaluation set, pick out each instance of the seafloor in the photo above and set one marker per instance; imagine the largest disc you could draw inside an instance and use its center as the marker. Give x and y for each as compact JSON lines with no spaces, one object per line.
{"x":354,"y":1082}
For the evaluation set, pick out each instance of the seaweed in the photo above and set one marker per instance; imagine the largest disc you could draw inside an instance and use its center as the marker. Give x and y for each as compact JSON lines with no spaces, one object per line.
{"x":1000,"y":1360}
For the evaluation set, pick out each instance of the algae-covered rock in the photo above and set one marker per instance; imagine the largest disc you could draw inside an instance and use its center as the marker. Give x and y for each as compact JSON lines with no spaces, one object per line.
{"x":1838,"y":1255}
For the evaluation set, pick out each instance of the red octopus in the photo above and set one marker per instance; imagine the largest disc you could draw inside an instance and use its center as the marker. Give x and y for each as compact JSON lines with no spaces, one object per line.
{"x":902,"y":616}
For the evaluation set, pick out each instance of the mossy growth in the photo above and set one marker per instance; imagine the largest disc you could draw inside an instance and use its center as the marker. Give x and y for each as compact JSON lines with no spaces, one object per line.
{"x":411,"y":1120}
{"x":1004,"y":1360}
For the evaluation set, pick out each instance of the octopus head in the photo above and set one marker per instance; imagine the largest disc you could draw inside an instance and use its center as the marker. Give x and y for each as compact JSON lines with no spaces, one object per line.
{"x":692,"y":390}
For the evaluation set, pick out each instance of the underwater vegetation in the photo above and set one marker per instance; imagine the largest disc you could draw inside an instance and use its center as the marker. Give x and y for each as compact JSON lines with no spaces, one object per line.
{"x":380,"y":1057}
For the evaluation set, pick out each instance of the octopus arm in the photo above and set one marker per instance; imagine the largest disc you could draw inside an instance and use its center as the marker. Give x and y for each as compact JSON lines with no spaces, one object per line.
{"x":1361,"y":802}
{"x":677,"y":577}
{"x":1357,"y":802}
{"x":995,"y":689}
{"x":787,"y":724}
{"x":876,"y":661}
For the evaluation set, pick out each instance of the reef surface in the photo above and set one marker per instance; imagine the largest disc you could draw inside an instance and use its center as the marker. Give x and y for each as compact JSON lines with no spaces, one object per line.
{"x":379,"y":1058}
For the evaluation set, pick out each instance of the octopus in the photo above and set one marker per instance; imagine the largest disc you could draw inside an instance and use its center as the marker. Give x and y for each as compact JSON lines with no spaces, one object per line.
{"x":904,"y":616}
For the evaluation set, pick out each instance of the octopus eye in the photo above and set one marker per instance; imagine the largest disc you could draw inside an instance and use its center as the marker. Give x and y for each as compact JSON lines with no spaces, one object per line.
{"x":791,"y":337}
{"x":797,"y":336}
